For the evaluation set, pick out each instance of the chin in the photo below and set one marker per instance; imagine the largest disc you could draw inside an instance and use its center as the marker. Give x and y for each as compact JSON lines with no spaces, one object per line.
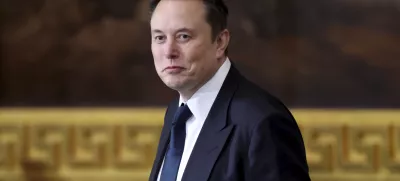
{"x":174,"y":84}
{"x":177,"y":83}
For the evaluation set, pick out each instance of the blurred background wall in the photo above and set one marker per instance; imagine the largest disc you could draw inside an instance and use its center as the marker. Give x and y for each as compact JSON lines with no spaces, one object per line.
{"x":76,"y":70}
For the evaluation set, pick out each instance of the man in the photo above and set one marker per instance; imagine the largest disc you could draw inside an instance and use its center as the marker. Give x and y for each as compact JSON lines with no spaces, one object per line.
{"x":222,"y":127}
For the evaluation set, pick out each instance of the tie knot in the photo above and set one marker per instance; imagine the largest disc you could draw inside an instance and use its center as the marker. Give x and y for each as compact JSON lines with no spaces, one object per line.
{"x":182,"y":114}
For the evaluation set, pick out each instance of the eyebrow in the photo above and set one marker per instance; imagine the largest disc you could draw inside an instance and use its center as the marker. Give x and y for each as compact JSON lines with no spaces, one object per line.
{"x":156,"y":31}
{"x":185,"y":30}
{"x":179,"y":30}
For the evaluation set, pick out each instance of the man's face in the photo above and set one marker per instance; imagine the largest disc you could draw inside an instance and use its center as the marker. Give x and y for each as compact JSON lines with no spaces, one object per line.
{"x":185,"y":56}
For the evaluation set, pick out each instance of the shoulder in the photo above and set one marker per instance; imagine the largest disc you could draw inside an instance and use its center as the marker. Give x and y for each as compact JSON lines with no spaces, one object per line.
{"x":251,"y":105}
{"x":269,"y":132}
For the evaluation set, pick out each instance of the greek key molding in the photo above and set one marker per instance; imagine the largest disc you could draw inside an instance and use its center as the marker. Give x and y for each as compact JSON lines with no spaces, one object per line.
{"x":88,"y":147}
{"x":120,"y":144}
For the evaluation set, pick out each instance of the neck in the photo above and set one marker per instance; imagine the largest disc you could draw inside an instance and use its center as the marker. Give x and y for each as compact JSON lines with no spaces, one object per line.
{"x":187,"y":94}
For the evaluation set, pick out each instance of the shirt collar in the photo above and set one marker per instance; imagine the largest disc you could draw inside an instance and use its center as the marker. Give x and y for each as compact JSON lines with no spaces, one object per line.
{"x":202,"y":100}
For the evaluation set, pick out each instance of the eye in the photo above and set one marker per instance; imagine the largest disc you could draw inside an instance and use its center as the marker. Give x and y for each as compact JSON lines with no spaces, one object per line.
{"x":159,"y":39}
{"x":184,"y":37}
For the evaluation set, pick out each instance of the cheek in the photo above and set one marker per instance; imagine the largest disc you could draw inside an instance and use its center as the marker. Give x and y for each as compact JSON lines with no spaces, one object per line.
{"x":200,"y":66}
{"x":195,"y":54}
{"x":157,"y":57}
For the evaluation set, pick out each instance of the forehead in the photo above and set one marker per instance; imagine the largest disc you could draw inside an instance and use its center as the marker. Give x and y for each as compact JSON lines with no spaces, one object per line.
{"x":176,"y":14}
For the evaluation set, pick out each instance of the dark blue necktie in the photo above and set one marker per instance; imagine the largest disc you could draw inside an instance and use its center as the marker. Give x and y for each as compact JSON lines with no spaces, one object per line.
{"x":176,"y":144}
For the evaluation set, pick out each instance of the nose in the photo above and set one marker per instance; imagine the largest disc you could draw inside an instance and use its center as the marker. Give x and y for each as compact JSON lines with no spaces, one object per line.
{"x":171,"y":49}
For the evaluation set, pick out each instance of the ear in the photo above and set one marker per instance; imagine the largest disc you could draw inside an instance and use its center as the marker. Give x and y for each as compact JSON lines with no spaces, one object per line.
{"x":222,"y":43}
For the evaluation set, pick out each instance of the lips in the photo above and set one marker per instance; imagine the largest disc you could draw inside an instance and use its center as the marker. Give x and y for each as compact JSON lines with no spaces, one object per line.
{"x":174,"y":69}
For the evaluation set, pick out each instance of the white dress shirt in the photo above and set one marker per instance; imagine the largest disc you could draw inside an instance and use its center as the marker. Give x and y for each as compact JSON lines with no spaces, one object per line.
{"x":200,"y":104}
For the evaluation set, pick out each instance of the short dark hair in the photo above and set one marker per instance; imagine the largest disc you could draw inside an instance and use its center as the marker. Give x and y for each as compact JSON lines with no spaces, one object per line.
{"x":217,"y":15}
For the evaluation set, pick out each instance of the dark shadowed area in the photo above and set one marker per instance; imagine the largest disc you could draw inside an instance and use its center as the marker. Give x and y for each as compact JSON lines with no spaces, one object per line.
{"x":309,"y":53}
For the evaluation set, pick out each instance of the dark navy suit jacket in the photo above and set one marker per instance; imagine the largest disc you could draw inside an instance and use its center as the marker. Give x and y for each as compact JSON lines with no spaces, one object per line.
{"x":249,"y":135}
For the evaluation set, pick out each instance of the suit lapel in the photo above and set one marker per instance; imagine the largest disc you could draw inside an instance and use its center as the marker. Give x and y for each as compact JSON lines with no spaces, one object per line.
{"x":213,"y":135}
{"x":164,"y":139}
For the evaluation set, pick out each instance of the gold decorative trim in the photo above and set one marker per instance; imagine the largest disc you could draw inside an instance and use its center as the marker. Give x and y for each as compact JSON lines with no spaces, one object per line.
{"x":120,"y":143}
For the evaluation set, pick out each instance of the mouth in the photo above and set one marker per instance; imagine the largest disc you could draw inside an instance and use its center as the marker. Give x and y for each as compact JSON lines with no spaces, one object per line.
{"x":174,"y":69}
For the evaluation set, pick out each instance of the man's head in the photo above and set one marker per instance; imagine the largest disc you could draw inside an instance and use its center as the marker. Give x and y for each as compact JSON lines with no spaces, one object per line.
{"x":189,"y":41}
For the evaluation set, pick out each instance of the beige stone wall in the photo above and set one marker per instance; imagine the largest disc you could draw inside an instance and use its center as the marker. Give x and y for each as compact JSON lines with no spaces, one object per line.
{"x":119,"y":144}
